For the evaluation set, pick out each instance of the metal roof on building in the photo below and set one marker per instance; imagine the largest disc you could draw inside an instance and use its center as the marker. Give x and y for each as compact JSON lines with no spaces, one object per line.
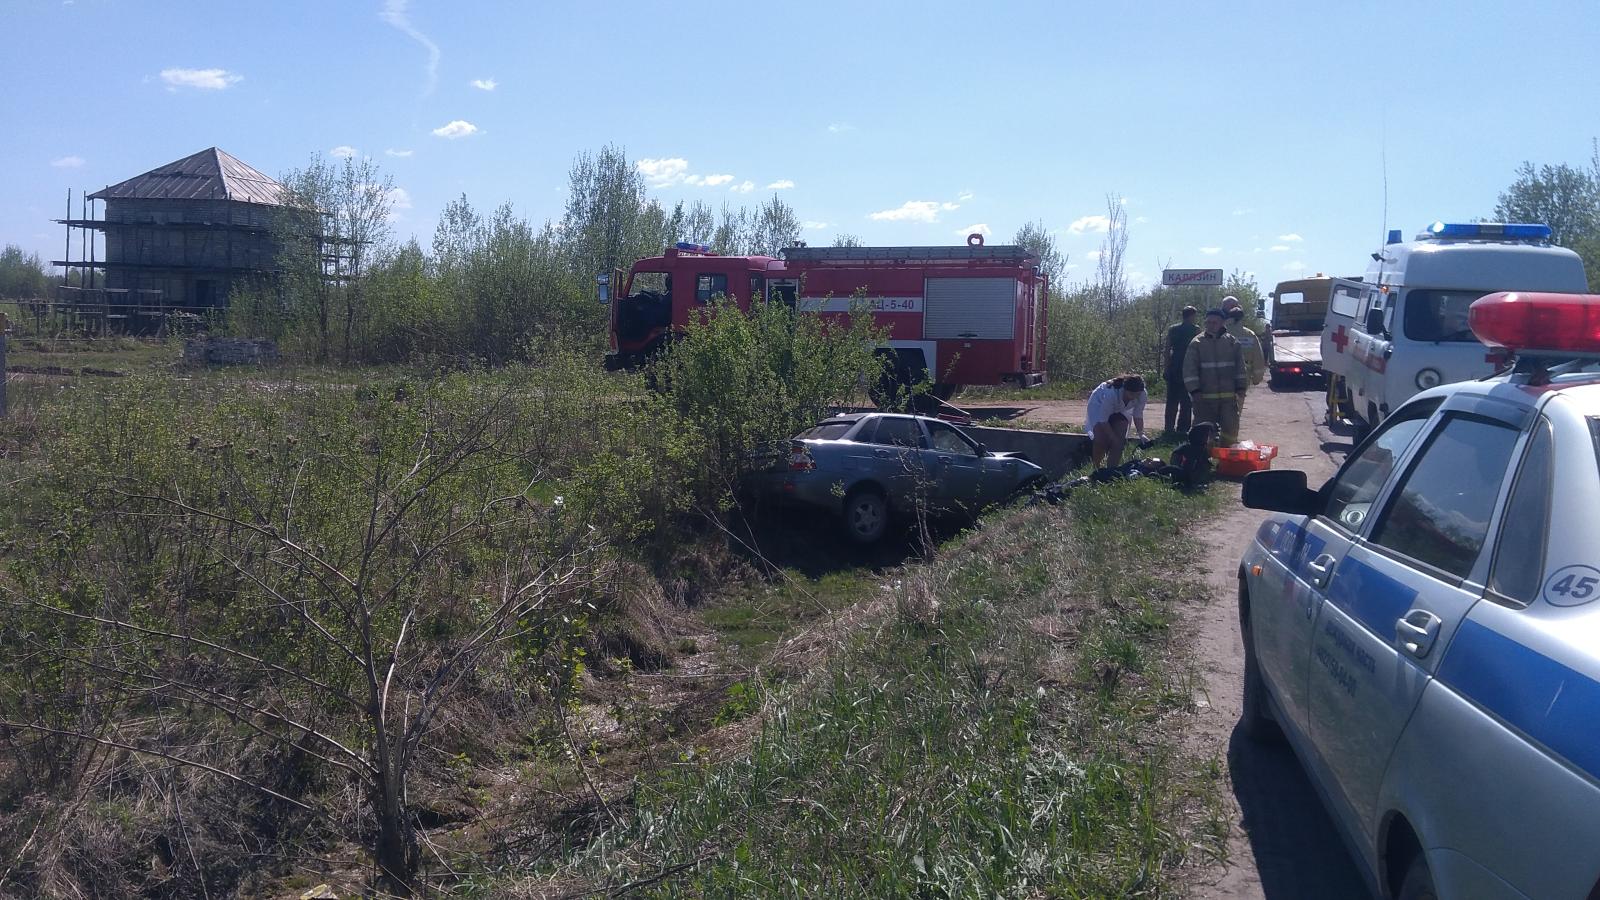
{"x":211,"y":174}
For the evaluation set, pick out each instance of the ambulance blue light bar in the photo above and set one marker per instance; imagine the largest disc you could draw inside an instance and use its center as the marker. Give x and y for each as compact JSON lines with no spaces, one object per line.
{"x":691,"y":247}
{"x":1516,"y":231}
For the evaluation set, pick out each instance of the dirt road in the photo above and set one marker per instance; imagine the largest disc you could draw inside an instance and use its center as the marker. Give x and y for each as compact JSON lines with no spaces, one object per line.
{"x":1282,"y":843}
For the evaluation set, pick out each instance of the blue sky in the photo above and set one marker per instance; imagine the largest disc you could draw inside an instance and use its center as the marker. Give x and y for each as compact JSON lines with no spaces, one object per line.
{"x":1244,"y":136}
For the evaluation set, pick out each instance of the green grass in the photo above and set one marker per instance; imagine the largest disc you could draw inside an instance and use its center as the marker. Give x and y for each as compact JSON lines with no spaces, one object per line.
{"x":1005,"y":733}
{"x":125,"y":355}
{"x":753,"y":624}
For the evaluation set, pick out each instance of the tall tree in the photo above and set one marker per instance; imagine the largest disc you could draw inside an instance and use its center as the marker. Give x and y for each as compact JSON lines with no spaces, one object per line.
{"x":334,"y":222}
{"x":774,"y":226}
{"x":847,"y":240}
{"x":1036,"y":239}
{"x":610,"y":219}
{"x":1563,"y":197}
{"x":22,"y":275}
{"x":1111,"y":279}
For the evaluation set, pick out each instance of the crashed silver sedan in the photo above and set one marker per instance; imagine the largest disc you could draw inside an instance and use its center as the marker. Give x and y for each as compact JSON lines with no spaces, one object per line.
{"x":867,"y":467}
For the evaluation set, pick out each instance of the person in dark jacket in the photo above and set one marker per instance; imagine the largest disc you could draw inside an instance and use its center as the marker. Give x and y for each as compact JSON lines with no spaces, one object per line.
{"x":1179,"y":405}
{"x":1189,"y":467}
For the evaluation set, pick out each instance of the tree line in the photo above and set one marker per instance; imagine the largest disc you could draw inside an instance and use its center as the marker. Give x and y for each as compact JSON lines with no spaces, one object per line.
{"x":492,"y":286}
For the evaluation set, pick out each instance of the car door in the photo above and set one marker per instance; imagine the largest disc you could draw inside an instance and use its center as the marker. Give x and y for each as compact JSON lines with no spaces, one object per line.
{"x":955,"y":467}
{"x":893,"y":456}
{"x":1306,"y":552}
{"x":1394,"y":601}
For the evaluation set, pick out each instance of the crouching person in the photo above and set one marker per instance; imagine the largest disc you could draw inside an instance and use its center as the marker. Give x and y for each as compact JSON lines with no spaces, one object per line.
{"x":1112,"y":405}
{"x":1189,"y":467}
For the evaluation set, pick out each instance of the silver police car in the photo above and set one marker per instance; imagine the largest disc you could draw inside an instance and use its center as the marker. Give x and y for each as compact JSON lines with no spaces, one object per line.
{"x":1425,"y":628}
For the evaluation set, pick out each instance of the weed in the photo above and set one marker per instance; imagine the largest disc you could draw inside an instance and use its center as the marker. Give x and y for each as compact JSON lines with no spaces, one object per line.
{"x":941,"y":754}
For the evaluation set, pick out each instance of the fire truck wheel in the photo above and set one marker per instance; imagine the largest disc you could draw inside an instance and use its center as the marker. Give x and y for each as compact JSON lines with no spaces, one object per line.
{"x":866,"y":515}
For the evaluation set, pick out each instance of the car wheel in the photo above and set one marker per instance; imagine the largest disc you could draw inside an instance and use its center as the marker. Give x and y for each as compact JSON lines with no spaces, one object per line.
{"x":866,"y":516}
{"x":1257,"y":715}
{"x":1418,"y":883}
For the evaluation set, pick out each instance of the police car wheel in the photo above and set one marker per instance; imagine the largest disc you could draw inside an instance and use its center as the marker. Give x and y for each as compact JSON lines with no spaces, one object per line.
{"x":1256,"y":717}
{"x":1418,"y":883}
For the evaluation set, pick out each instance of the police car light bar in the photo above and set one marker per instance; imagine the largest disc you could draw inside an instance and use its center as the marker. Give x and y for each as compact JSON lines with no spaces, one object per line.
{"x":691,"y":247}
{"x":1517,"y":231}
{"x":1546,"y":323}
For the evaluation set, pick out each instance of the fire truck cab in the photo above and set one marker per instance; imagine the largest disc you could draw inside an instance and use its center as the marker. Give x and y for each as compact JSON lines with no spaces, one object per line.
{"x":968,"y":315}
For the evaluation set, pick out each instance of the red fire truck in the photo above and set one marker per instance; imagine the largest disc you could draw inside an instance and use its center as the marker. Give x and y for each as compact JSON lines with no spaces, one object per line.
{"x":972,"y":315}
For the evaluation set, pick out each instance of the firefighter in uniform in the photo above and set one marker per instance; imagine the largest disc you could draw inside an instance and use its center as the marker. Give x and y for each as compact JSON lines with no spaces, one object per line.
{"x":1214,"y":374}
{"x":1255,"y":361}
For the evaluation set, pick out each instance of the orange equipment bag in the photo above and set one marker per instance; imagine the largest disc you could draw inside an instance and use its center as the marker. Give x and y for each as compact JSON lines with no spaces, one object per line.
{"x":1241,"y":459}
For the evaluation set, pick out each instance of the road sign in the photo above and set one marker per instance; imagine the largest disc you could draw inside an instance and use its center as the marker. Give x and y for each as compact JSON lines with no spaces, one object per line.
{"x":1191,"y":277}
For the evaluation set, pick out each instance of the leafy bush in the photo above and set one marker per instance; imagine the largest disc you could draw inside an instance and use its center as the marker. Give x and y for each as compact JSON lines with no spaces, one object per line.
{"x":739,"y":379}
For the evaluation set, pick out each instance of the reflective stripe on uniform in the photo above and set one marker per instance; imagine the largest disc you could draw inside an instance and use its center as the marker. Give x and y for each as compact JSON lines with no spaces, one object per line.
{"x":1216,"y":365}
{"x":1225,"y":395}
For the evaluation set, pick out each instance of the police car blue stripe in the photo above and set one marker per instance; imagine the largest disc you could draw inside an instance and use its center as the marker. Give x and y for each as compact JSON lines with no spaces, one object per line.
{"x":1555,"y":705}
{"x":1291,"y":545}
{"x":1369,"y":596}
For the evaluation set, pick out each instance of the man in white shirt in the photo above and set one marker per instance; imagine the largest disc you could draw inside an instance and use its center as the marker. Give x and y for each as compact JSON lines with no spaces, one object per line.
{"x":1123,"y":397}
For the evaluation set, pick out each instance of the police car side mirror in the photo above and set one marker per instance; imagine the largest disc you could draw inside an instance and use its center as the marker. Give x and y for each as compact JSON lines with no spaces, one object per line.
{"x":1281,"y":490}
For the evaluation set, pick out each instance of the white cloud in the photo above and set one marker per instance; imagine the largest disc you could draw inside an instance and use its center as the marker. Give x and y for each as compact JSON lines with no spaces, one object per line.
{"x":840,"y":127}
{"x":1140,"y":219}
{"x":964,"y":196}
{"x":662,"y":172}
{"x":1291,"y":236}
{"x":1281,"y":248}
{"x":926,"y":211}
{"x":813,"y":225}
{"x":1087,"y":224}
{"x":707,"y":180}
{"x":1243,"y":212}
{"x":396,"y":14}
{"x":1294,"y":267}
{"x":744,"y":187}
{"x":1211,"y":251}
{"x":199,"y":79}
{"x":780,"y":185}
{"x":485,"y":84}
{"x":457,"y":129}
{"x":67,"y":162}
{"x":1092,"y":256}
{"x":402,"y":154}
{"x":343,"y":151}
{"x":399,"y":198}
{"x":980,"y":228}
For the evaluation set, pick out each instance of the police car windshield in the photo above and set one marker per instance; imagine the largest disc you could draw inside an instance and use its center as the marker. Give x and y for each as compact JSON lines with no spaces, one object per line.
{"x":1435,"y":315}
{"x":1594,"y":432}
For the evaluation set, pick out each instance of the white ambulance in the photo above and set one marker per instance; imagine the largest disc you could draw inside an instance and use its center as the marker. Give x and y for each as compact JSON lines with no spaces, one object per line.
{"x":1403,"y":328}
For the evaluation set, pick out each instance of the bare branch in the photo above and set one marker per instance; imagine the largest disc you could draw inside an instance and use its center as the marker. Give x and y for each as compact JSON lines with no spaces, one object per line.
{"x":107,"y":742}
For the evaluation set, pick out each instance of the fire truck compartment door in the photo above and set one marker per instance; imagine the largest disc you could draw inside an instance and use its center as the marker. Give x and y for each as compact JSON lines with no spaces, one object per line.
{"x":969,"y":308}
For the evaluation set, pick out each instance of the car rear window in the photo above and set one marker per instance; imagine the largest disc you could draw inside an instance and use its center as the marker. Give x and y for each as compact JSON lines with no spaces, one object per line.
{"x":826,"y":431}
